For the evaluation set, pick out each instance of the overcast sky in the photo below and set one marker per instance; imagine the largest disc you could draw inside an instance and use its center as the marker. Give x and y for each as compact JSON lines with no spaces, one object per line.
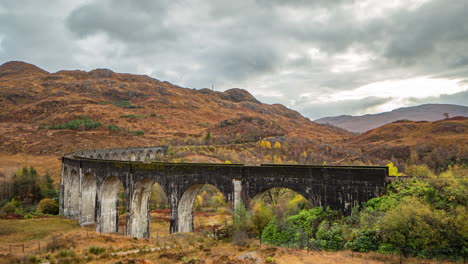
{"x":320,"y":57}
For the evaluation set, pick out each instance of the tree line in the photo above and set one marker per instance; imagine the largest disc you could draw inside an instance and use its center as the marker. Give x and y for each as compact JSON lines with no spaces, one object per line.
{"x":29,"y":193}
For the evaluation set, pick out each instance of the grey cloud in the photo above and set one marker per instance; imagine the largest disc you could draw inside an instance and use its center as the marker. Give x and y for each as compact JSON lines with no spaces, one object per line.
{"x":316,"y":110}
{"x":460,"y":98}
{"x":196,"y":43}
{"x":125,"y":20}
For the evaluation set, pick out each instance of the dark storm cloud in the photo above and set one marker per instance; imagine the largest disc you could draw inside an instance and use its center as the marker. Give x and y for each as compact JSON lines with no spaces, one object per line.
{"x":124,"y":20}
{"x":436,"y":32}
{"x":279,"y":50}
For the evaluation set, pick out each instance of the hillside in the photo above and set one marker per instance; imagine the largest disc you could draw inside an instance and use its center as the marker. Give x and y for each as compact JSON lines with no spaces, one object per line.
{"x":433,"y":143}
{"x":107,"y":109}
{"x":141,"y":111}
{"x":426,"y":112}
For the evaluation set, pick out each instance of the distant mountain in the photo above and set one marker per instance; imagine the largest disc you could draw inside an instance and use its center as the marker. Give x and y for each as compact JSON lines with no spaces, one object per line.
{"x":426,"y":112}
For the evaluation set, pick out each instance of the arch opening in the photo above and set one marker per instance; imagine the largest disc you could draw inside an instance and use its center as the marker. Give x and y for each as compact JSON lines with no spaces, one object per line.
{"x":149,"y":156}
{"x":123,"y":156}
{"x":274,"y":203}
{"x":283,"y":201}
{"x":107,"y":156}
{"x":112,"y":203}
{"x":158,"y":154}
{"x":99,"y":156}
{"x":115,"y":156}
{"x":159,"y":210}
{"x":201,"y":198}
{"x":88,"y":199}
{"x":132,"y":156}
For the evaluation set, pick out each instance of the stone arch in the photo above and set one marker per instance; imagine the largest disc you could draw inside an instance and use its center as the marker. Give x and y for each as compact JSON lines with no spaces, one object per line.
{"x":149,"y":155}
{"x":73,"y":194}
{"x":138,"y":219}
{"x":262,"y":193}
{"x":109,"y":215}
{"x":185,"y":208}
{"x":132,"y":156}
{"x":139,"y":156}
{"x":91,"y":156}
{"x":115,"y":156}
{"x":88,"y":199}
{"x":158,"y":153}
{"x":107,"y":156}
{"x":99,"y":156}
{"x":123,"y":156}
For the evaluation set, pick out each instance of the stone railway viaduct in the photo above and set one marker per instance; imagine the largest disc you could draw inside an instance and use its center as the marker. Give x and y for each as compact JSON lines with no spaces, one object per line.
{"x":91,"y":181}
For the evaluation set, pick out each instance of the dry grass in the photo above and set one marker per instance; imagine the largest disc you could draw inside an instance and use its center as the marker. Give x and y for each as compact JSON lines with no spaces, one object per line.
{"x":75,"y":244}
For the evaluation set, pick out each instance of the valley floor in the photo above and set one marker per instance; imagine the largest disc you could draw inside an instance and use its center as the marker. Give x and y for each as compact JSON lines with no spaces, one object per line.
{"x":58,"y":240}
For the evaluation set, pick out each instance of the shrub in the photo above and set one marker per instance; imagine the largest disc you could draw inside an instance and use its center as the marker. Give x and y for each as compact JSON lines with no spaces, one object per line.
{"x":28,"y":216}
{"x":113,"y":127}
{"x":419,"y":171}
{"x":96,"y":250}
{"x":329,"y":236}
{"x":48,"y":206}
{"x":365,"y":241}
{"x":132,"y":116}
{"x":138,"y":132}
{"x":85,"y":123}
{"x":9,"y":207}
{"x":126,"y":104}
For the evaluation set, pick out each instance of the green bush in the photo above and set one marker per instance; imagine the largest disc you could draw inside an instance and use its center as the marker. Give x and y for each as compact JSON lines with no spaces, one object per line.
{"x":28,"y":216}
{"x":126,"y":104}
{"x":329,"y":236}
{"x":113,"y":127}
{"x":132,"y":116}
{"x":85,"y":123}
{"x":138,"y":132}
{"x":365,"y":241}
{"x":48,"y":206}
{"x":10,"y":207}
{"x":96,"y":250}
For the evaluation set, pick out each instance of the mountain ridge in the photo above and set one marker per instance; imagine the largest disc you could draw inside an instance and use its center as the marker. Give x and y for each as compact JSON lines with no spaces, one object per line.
{"x":159,"y":109}
{"x":424,"y":112}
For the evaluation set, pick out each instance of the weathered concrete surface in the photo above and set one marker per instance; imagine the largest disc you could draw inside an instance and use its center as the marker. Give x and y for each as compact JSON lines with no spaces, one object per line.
{"x":339,"y":187}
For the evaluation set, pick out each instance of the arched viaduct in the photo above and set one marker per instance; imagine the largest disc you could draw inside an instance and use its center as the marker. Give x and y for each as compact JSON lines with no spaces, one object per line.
{"x":91,"y":181}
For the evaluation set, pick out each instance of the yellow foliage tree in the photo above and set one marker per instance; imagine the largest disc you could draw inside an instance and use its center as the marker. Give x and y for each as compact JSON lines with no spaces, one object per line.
{"x":277,"y":145}
{"x":277,"y":160}
{"x":393,"y":170}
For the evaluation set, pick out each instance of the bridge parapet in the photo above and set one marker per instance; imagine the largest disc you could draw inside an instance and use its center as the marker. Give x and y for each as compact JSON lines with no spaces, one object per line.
{"x":125,"y":154}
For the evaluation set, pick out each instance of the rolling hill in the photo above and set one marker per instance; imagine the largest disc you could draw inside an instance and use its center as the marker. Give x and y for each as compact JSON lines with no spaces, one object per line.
{"x":426,"y":112}
{"x":133,"y":110}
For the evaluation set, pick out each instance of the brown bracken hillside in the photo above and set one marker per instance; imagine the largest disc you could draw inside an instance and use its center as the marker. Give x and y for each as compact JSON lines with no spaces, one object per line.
{"x":32,"y":100}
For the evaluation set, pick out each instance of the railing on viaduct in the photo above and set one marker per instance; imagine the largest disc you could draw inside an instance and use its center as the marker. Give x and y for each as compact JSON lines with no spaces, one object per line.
{"x":91,"y":181}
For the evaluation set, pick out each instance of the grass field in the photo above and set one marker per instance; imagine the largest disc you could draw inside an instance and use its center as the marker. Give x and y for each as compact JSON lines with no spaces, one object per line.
{"x":62,"y":241}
